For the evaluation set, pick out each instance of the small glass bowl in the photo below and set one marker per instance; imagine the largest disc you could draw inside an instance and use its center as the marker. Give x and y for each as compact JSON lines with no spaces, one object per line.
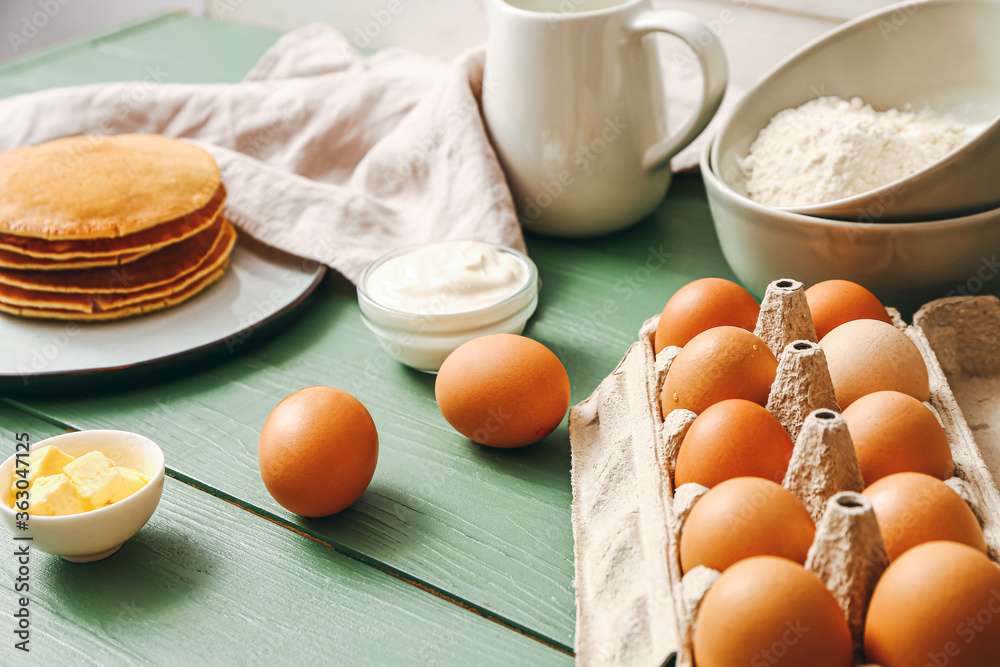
{"x":423,"y":341}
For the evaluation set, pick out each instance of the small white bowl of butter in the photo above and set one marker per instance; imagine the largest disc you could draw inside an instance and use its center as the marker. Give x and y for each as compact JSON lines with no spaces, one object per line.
{"x":424,"y":301}
{"x":123,"y":501}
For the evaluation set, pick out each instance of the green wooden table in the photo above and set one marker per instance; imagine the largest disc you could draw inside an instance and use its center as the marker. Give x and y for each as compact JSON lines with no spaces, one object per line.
{"x":456,"y":554}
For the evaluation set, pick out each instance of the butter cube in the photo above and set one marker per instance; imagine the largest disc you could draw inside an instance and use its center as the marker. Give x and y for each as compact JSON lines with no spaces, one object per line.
{"x":132,"y":481}
{"x":56,"y":495}
{"x":42,"y":463}
{"x":96,"y":475}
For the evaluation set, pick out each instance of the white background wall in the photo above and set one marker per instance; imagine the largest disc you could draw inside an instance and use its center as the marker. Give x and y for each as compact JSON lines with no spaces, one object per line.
{"x":756,"y":33}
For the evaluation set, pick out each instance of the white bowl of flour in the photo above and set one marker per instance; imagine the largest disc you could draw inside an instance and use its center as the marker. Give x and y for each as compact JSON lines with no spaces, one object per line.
{"x":904,"y":262}
{"x":892,"y":117}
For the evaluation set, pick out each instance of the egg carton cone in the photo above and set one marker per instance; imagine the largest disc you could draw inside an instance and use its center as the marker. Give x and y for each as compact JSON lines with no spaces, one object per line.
{"x":849,"y":555}
{"x":802,"y":384}
{"x":634,"y":606}
{"x":823,"y":462}
{"x":784,"y":316}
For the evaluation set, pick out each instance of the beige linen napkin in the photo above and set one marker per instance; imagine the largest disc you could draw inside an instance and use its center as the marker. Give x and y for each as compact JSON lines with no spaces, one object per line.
{"x":326,"y":154}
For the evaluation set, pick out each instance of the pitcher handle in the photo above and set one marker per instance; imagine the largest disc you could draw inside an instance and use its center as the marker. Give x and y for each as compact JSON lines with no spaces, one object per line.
{"x":714,"y":69}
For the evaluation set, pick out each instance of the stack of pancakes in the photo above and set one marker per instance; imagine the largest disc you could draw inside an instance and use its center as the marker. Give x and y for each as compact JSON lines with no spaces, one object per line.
{"x":99,"y":228}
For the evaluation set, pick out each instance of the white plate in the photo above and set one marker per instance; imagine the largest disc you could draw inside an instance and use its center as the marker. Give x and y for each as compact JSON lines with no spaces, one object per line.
{"x":261,"y":284}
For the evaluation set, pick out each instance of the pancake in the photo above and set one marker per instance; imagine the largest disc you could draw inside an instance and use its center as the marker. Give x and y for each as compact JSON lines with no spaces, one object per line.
{"x":89,"y":187}
{"x":156,"y":268}
{"x":146,"y":240}
{"x":13,"y":260}
{"x":85,"y":306}
{"x":136,"y":309}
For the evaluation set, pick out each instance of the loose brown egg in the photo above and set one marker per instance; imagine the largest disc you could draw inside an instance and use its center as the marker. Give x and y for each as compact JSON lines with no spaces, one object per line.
{"x":834,"y":302}
{"x":938,"y":605}
{"x":317,"y":451}
{"x":721,"y":363}
{"x":771,"y":611}
{"x":733,"y":438}
{"x":503,"y":390}
{"x":913,"y":508}
{"x":745,"y":517}
{"x":702,"y":305}
{"x":894,"y":432}
{"x":866,"y":356}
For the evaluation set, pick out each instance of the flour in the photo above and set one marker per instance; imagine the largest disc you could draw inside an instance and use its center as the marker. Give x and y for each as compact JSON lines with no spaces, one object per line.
{"x":829,"y":149}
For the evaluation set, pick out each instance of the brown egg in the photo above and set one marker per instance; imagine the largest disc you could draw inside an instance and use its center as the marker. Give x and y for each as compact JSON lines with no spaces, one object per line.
{"x":866,"y":356}
{"x":834,"y":302}
{"x":771,"y":611}
{"x":913,"y":508}
{"x":733,"y":438}
{"x":895,"y":432}
{"x":745,"y":517}
{"x":503,"y":390}
{"x":317,"y":452}
{"x":721,"y":363}
{"x":702,"y":305}
{"x":938,"y":605}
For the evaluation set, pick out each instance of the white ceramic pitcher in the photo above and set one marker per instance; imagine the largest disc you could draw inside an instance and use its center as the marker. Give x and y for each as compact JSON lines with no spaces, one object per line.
{"x":574,"y":103}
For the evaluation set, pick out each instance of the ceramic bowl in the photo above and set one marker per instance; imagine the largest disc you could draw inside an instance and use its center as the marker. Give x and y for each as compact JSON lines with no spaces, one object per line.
{"x":903,"y":263}
{"x":941,"y":55}
{"x":96,"y":534}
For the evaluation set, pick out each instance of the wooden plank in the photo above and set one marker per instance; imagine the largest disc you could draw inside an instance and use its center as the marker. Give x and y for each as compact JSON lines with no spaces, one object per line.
{"x":205,"y":582}
{"x":13,"y":421}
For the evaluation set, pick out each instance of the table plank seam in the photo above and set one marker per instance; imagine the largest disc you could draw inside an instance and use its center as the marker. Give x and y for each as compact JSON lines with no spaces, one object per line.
{"x":376,"y":565}
{"x":350,"y":553}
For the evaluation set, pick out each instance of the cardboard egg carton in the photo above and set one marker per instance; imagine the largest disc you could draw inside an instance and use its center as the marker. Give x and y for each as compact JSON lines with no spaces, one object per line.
{"x":633,"y":605}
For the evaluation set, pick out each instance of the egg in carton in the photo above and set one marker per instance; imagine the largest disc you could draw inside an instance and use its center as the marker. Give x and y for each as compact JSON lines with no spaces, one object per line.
{"x":634,"y":605}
